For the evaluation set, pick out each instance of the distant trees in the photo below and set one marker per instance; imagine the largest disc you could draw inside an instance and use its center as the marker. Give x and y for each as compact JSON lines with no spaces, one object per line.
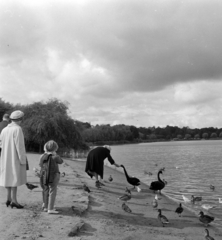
{"x":213,"y":135}
{"x":205,"y":135}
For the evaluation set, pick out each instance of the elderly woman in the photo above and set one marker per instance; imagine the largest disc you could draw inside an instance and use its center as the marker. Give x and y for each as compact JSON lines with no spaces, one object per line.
{"x":13,"y":158}
{"x":95,"y":162}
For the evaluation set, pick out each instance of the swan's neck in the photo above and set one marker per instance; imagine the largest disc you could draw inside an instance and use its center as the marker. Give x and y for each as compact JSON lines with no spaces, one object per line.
{"x":125,"y":172}
{"x":159,"y":179}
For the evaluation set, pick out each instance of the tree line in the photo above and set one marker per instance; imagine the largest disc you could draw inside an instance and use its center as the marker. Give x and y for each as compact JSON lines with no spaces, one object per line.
{"x":50,"y":120}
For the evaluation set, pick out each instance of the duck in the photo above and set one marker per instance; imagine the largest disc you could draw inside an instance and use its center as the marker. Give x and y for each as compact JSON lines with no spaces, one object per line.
{"x":195,"y":199}
{"x":155,"y":203}
{"x":163,"y":219}
{"x":126,"y":208}
{"x":110,"y":178}
{"x":86,"y":188}
{"x":179,"y":210}
{"x":125,"y":197}
{"x":157,"y":198}
{"x":127,"y":190}
{"x":207,"y":236}
{"x":157,"y":185}
{"x":205,"y":218}
{"x":212,"y":187}
{"x":131,"y":180}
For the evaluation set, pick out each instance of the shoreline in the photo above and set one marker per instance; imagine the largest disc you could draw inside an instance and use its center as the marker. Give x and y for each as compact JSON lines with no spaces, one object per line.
{"x":100,"y":210}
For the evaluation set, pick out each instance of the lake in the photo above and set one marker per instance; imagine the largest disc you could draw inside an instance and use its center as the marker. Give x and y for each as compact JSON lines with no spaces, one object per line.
{"x":190,"y":168}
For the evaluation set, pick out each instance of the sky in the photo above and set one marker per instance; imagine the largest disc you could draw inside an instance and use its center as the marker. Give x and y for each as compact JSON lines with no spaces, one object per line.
{"x":134,"y":62}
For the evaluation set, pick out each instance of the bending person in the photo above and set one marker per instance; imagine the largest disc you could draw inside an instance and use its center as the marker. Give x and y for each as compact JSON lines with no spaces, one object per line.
{"x":95,"y":162}
{"x":13,"y":158}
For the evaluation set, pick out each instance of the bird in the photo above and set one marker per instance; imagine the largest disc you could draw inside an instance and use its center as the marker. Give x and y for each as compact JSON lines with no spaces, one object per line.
{"x":157,"y":185}
{"x":212,"y":187}
{"x":195,"y":199}
{"x":205,"y":218}
{"x":63,"y":174}
{"x":86,"y":188}
{"x":207,"y":236}
{"x":157,"y":198}
{"x":30,"y":186}
{"x":220,"y":200}
{"x":207,"y":206}
{"x":73,"y":208}
{"x":127,"y":190}
{"x":186,"y":200}
{"x":131,"y":180}
{"x":163,"y":219}
{"x":125,"y":197}
{"x":138,"y":189}
{"x":126,"y":208}
{"x":155,"y":203}
{"x":179,"y":210}
{"x":110,"y":178}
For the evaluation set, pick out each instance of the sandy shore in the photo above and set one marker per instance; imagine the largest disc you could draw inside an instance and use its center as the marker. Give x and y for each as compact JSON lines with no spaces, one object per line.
{"x":99,"y":211}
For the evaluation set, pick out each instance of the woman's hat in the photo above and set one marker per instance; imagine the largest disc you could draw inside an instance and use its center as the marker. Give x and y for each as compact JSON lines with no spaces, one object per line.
{"x":16,"y":115}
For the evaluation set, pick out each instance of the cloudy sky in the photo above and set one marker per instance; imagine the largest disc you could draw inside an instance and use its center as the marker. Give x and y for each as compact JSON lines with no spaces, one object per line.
{"x":134,"y":62}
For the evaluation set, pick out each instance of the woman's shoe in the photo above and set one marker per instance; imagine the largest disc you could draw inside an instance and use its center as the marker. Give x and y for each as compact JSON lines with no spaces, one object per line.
{"x":16,"y":205}
{"x":52,"y":212}
{"x":8,"y":203}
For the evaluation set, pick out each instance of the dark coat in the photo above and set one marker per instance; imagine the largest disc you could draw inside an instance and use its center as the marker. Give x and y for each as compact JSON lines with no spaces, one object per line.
{"x":95,"y":160}
{"x":3,"y":124}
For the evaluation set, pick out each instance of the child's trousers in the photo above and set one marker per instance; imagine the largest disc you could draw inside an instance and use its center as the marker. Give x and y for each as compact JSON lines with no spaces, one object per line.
{"x":49,"y":193}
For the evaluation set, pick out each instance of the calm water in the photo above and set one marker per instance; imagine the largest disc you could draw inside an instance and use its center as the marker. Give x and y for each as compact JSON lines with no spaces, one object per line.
{"x":190,"y":168}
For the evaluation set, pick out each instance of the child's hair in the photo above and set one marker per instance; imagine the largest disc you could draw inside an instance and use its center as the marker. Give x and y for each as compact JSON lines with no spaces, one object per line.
{"x":51,"y":146}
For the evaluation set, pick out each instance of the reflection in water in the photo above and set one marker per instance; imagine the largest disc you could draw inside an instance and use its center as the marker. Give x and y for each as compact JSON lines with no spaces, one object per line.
{"x":190,"y":168}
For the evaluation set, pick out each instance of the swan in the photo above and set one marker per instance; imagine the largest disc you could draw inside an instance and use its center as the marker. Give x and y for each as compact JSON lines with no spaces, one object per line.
{"x":179,"y":210}
{"x":207,"y":236}
{"x":163,"y":219}
{"x":205,"y":218}
{"x":131,"y":180}
{"x":157,"y":185}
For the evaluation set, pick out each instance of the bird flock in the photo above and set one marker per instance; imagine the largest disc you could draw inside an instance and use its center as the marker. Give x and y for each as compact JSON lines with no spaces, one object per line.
{"x":156,"y":187}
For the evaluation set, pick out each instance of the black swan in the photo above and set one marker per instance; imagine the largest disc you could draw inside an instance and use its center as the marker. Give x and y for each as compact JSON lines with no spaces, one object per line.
{"x":157,"y":185}
{"x":131,"y":180}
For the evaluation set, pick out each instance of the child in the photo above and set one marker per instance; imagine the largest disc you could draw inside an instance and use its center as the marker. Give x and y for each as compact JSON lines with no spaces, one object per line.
{"x":49,"y":175}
